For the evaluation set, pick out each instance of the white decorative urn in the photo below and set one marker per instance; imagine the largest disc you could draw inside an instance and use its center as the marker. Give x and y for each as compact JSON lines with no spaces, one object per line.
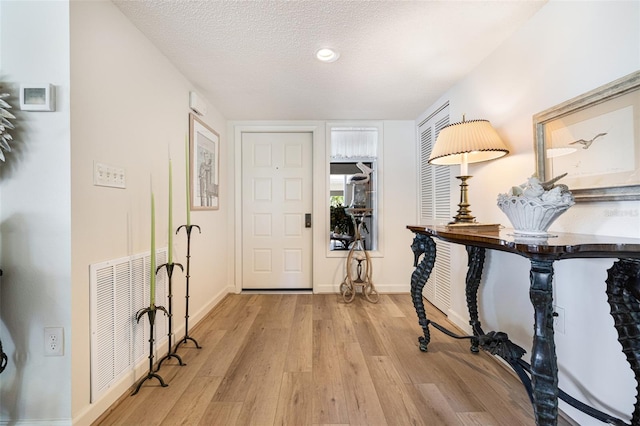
{"x":533,"y":206}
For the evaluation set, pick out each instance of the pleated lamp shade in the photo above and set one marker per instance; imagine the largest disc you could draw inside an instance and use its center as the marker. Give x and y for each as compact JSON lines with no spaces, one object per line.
{"x":476,"y":140}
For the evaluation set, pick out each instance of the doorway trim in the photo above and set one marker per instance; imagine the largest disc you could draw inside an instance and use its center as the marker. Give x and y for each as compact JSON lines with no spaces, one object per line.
{"x":317,"y":142}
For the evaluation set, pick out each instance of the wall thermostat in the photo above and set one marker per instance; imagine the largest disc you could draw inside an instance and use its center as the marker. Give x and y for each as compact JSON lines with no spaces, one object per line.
{"x":37,"y":97}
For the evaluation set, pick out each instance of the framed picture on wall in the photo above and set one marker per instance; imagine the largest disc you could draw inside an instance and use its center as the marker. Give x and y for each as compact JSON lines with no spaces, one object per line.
{"x":595,"y":139}
{"x":204,"y":162}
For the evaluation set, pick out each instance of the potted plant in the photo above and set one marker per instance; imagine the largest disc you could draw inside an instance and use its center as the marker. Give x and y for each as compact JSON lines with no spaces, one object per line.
{"x":341,"y":222}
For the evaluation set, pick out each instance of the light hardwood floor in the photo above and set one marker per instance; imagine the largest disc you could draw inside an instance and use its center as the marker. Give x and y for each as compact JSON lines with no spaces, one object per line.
{"x":313,"y":360}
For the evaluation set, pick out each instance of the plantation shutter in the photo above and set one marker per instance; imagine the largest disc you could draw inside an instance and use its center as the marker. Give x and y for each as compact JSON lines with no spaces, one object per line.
{"x":435,"y":206}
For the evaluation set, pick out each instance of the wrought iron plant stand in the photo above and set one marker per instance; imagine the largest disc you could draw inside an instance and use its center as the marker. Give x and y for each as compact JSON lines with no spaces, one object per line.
{"x":151,"y":312}
{"x":359,"y":270}
{"x":170,"y":352}
{"x":188,"y":229}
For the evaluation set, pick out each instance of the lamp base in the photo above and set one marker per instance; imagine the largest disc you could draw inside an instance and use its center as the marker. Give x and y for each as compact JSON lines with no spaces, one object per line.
{"x":464,"y":220}
{"x":464,"y":213}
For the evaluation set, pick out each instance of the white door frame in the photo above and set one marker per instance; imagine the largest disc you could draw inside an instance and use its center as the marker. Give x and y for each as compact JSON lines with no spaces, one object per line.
{"x":317,"y":220}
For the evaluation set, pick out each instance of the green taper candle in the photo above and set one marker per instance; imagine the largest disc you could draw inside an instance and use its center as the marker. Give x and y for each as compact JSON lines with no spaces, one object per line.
{"x":170,"y":248}
{"x":186,"y":156}
{"x":152,"y":268}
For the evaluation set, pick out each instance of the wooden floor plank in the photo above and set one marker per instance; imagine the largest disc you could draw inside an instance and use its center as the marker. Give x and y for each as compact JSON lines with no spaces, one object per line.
{"x":477,"y":419}
{"x":444,"y":414}
{"x":329,"y":402}
{"x":370,"y":341}
{"x":270,"y":359}
{"x":343,"y":328}
{"x":363,"y":404}
{"x":300,"y":353}
{"x":246,"y":367}
{"x":265,"y":372}
{"x":221,"y":414}
{"x":494,"y":397}
{"x":397,"y":335}
{"x":404,"y":304}
{"x":386,"y":307}
{"x":193,"y":402}
{"x":399,"y":407}
{"x":295,"y":401}
{"x":322,"y":305}
{"x":224,"y":316}
{"x":221,"y":356}
{"x":277,"y":310}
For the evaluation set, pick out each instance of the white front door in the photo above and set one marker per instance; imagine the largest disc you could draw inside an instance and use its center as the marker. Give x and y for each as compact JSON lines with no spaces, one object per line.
{"x":276,"y":196}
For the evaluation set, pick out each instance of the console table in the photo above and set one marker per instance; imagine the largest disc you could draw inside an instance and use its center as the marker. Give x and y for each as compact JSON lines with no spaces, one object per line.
{"x":541,"y":376}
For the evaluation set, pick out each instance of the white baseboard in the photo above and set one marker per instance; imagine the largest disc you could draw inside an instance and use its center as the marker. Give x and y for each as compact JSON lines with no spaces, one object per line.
{"x":66,"y":422}
{"x":459,"y":321}
{"x":381,"y":288}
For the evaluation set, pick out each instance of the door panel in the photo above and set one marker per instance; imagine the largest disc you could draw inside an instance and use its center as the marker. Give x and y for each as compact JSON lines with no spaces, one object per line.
{"x":276,"y":194}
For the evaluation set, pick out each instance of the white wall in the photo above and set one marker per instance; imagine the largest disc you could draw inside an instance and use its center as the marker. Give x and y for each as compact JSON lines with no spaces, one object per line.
{"x":122,"y":103}
{"x":392,"y":267}
{"x":35,"y":218}
{"x":129,"y":108}
{"x":568,"y":48}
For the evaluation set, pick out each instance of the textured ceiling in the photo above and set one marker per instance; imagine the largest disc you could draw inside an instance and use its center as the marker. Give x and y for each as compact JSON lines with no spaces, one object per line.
{"x":255,"y":60}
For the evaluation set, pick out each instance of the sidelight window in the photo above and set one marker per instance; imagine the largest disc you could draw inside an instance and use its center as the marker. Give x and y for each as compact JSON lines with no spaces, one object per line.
{"x":353,"y":160}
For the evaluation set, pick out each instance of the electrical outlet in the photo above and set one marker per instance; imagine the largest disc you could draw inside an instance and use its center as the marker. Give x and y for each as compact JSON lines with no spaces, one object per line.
{"x":53,"y":341}
{"x":558,"y":319}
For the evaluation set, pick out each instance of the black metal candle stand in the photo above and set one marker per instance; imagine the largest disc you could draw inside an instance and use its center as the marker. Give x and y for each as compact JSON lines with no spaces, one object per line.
{"x":170,"y":353}
{"x":151,"y":313}
{"x":188,"y":229}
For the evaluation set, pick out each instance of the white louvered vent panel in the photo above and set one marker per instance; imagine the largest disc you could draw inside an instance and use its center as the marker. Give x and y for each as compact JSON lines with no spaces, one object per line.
{"x":443,"y":213}
{"x":435,"y":206}
{"x":103,"y":353}
{"x":118,"y":289}
{"x":122,"y":318}
{"x":441,"y":123}
{"x":426,"y":176}
{"x":429,"y":290}
{"x":139,"y":280}
{"x":442,"y":193}
{"x":162,"y":326}
{"x":442,"y":298}
{"x":442,"y":177}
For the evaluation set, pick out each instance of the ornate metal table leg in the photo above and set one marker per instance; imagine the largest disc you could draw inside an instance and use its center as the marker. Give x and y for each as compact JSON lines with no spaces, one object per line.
{"x":474,"y":273}
{"x":422,"y":244}
{"x":544,"y":365}
{"x":623,"y":292}
{"x":3,"y":358}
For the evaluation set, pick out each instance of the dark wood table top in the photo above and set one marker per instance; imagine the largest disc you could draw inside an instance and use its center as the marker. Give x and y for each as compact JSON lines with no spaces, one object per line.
{"x":558,"y":246}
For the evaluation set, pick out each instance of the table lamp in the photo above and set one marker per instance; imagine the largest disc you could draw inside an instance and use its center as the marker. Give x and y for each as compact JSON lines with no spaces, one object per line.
{"x":463,"y":143}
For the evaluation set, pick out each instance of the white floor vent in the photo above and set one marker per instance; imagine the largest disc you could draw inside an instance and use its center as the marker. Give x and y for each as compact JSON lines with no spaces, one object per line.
{"x":119,"y":289}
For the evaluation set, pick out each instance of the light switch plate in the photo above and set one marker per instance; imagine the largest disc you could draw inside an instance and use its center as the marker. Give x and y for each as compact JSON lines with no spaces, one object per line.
{"x":108,"y":175}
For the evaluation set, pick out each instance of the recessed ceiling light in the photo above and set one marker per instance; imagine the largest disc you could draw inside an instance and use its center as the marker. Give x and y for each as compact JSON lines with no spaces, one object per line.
{"x":327,"y":55}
